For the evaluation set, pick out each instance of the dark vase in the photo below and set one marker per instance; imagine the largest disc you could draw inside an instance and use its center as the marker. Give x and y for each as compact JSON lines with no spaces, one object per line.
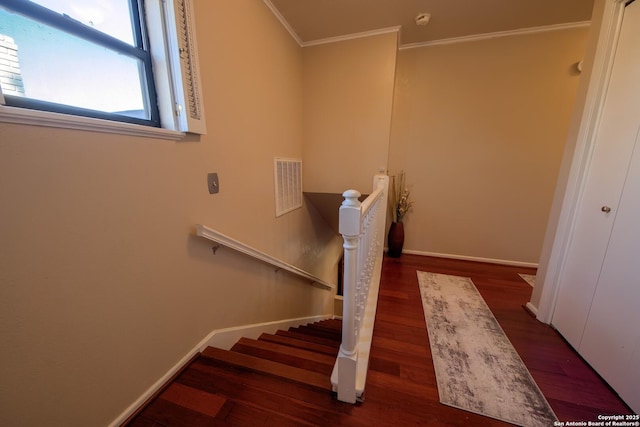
{"x":395,"y":239}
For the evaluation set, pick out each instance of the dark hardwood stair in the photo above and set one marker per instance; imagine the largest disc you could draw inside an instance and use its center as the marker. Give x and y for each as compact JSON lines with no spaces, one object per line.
{"x":291,"y":356}
{"x":280,"y":379}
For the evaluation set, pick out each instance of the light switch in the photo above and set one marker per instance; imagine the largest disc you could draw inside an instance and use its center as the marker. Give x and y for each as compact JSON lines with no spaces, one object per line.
{"x":213,"y":183}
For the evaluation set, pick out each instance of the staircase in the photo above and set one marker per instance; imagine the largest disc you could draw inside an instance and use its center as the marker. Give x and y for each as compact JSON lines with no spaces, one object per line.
{"x":280,"y":379}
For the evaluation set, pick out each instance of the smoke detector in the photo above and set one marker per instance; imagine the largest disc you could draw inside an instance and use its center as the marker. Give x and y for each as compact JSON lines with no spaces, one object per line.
{"x":422,"y":19}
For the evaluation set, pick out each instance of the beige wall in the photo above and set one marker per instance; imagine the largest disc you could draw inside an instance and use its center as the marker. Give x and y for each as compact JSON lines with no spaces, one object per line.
{"x":479,"y":128}
{"x":348,"y":95}
{"x":103,"y":286}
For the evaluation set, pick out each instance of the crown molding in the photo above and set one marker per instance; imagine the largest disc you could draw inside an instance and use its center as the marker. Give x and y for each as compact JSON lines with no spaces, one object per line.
{"x":283,"y":21}
{"x":295,"y":36}
{"x":487,"y":36}
{"x":453,"y":40}
{"x":352,"y":36}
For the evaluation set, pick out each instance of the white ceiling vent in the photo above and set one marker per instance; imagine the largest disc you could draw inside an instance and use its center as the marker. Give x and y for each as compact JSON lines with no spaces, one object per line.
{"x":288,"y":185}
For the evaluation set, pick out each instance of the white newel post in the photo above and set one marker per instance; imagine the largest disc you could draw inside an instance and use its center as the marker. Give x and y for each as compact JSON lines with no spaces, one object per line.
{"x":362,"y":227}
{"x":348,"y":356}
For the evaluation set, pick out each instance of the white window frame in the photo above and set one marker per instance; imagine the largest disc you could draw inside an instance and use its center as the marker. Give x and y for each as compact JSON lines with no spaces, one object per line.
{"x":171,"y":27}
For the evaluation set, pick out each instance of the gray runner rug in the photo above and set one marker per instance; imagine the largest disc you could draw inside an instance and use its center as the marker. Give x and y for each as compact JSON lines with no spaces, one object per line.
{"x":477,"y":368}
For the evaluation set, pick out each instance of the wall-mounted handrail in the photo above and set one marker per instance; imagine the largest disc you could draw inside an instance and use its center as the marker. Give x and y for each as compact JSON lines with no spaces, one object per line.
{"x":362,"y":227}
{"x":222,"y":239}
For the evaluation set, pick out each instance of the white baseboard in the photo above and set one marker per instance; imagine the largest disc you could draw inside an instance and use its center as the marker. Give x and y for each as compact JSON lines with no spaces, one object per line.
{"x":532,"y":309}
{"x":471,"y":258}
{"x":221,"y":338}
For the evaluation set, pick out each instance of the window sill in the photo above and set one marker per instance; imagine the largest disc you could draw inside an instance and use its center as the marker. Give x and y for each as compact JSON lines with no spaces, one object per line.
{"x":65,"y":121}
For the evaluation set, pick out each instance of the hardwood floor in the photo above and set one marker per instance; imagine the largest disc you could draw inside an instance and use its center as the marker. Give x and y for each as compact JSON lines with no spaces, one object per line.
{"x":283,"y":379}
{"x":573,"y":389}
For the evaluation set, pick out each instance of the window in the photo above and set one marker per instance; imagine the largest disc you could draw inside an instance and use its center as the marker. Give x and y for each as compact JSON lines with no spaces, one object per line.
{"x":120,"y":60}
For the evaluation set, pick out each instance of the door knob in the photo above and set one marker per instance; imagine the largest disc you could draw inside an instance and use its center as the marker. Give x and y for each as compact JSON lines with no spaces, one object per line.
{"x":606,"y":209}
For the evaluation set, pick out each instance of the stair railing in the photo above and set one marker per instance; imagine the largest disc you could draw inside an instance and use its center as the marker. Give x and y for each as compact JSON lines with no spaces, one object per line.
{"x":362,"y":227}
{"x":229,"y":242}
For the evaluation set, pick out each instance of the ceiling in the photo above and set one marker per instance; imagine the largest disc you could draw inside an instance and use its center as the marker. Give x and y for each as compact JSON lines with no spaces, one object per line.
{"x":315,"y":20}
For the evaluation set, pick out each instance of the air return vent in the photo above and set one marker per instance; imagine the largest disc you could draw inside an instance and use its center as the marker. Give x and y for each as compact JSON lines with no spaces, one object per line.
{"x":288,"y":185}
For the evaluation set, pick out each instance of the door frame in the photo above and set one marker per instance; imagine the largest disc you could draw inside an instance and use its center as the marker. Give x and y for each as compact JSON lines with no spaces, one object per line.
{"x":577,"y":157}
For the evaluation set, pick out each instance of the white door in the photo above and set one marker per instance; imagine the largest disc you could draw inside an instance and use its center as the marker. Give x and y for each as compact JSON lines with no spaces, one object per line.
{"x":598,"y":304}
{"x":603,"y":186}
{"x":611,"y":339}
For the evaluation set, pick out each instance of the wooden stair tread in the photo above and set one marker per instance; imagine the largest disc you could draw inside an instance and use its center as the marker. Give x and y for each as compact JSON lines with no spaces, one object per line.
{"x":166,"y":413}
{"x":249,"y":389}
{"x":332,"y":327}
{"x":216,"y":378}
{"x":319,"y":332}
{"x":291,"y":351}
{"x":245,"y":414}
{"x":290,"y":356}
{"x":333,"y":324}
{"x":293,"y":333}
{"x":234,"y":413}
{"x":293,"y":342}
{"x":269,"y":367}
